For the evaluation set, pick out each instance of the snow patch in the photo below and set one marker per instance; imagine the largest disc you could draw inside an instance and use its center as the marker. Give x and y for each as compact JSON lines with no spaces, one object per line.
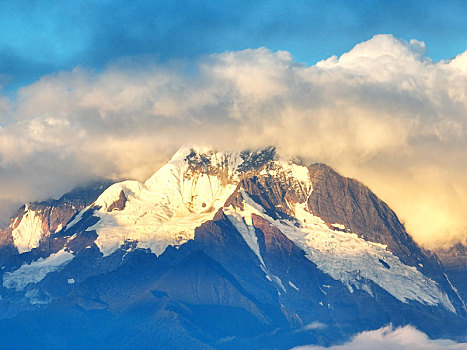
{"x":243,"y":222}
{"x":287,"y":170}
{"x":294,"y":286}
{"x":338,"y":226}
{"x":76,"y":218}
{"x":28,"y":233}
{"x":278,"y":281}
{"x":299,"y":172}
{"x":456,"y":291}
{"x":36,"y":270}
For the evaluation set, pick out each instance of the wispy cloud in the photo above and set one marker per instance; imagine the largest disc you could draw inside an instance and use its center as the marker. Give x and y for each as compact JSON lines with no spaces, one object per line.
{"x":388,"y":338}
{"x":382,"y":112}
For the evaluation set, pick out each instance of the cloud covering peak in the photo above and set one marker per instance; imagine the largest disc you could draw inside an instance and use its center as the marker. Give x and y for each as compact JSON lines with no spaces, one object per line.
{"x":383,"y":113}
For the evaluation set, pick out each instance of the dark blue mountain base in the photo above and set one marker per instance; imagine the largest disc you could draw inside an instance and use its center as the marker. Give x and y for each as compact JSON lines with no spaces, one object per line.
{"x":203,"y":296}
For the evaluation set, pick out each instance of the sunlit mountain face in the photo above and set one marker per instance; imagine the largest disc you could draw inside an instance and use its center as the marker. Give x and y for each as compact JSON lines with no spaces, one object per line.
{"x":221,"y":250}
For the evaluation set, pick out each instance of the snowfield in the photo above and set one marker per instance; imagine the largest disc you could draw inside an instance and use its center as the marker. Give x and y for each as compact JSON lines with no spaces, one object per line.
{"x":36,"y":270}
{"x":345,"y":256}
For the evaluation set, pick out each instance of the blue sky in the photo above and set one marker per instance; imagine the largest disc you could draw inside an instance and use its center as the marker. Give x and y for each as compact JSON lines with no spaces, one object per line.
{"x":39,"y":37}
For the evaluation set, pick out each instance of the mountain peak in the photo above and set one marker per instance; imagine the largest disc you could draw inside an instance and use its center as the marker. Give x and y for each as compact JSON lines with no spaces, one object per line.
{"x":206,"y":158}
{"x":257,"y":159}
{"x":182,"y":194}
{"x":184,"y":151}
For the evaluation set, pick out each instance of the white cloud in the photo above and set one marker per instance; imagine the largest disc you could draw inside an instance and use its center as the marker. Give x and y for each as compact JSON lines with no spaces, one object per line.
{"x":383,"y":113}
{"x":388,"y":338}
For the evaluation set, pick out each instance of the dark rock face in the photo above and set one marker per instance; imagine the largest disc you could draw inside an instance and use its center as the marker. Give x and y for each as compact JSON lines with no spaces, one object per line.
{"x":454,"y":261}
{"x":337,"y":199}
{"x":453,"y":257}
{"x":119,"y":204}
{"x":275,"y":193}
{"x":252,"y":161}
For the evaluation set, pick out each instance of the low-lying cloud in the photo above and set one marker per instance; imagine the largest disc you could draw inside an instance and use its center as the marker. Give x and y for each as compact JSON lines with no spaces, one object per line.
{"x":388,"y":338}
{"x":383,"y":113}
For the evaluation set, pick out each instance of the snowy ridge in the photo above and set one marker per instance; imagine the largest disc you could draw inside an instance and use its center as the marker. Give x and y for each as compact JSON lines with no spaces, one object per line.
{"x":351,"y":259}
{"x":297,"y":176}
{"x":111,"y":194}
{"x":244,"y":225}
{"x":166,"y":209}
{"x":29,"y":232}
{"x":183,"y":194}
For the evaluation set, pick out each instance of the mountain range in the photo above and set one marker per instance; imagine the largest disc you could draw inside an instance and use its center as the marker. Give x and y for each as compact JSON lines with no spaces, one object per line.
{"x":221,"y":250}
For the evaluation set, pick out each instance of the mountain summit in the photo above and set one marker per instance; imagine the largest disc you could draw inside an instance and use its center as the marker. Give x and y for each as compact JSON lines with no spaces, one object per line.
{"x":224,"y":250}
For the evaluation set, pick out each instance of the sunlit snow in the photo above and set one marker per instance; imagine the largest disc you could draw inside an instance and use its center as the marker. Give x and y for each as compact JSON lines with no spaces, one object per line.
{"x":28,"y":233}
{"x":166,"y":209}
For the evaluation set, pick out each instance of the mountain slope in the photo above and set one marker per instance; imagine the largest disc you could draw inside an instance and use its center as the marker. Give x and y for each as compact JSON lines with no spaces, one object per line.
{"x":454,"y":261}
{"x":36,"y":220}
{"x":231,"y":250}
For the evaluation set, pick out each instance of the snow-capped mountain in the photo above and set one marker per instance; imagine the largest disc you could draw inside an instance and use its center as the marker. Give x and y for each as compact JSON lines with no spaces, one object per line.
{"x":225,"y":250}
{"x":36,"y":220}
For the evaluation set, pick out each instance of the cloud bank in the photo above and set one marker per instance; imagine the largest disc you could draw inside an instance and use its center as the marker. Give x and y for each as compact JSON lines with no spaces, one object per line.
{"x":383,"y":113}
{"x":387,"y":338}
